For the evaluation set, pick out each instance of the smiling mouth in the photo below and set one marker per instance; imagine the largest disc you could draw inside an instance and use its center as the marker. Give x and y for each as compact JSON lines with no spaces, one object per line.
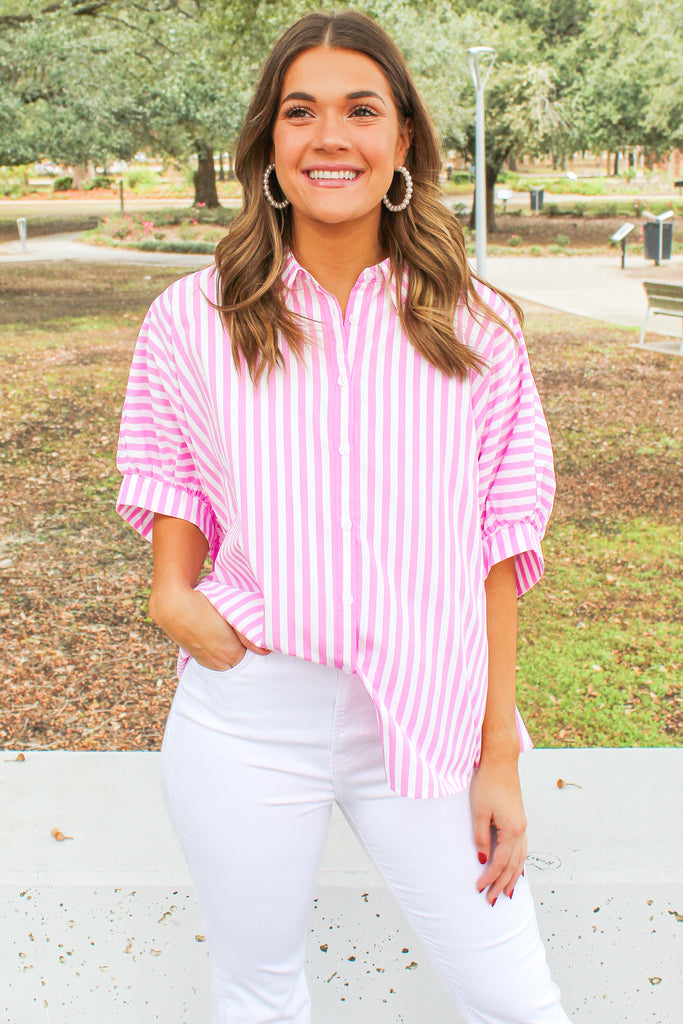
{"x":317,"y":175}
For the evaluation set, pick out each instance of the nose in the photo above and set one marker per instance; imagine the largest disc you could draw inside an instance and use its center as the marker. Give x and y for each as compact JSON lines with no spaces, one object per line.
{"x":331,"y":134}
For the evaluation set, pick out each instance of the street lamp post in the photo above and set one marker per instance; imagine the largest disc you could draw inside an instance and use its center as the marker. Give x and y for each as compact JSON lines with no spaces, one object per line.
{"x":480,"y":60}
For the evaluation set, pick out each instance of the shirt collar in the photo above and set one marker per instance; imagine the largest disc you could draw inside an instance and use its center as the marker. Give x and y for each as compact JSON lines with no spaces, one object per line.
{"x":293,"y":274}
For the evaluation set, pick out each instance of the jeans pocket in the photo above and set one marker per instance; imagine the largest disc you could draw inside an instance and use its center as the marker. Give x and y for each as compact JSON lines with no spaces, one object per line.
{"x":222,"y":673}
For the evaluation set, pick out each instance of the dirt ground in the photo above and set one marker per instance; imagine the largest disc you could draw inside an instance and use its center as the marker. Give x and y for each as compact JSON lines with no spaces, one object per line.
{"x":582,"y":232}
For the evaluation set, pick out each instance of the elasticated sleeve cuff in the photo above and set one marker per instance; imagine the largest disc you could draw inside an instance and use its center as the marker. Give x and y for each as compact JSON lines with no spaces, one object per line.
{"x":140,"y":496}
{"x":521,"y":540}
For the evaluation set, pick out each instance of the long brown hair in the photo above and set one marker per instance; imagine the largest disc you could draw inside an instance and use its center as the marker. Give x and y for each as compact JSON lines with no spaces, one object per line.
{"x":426,"y":237}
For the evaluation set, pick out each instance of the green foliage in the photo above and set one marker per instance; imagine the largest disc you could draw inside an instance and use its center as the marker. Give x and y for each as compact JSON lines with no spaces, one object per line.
{"x":99,"y":181}
{"x":155,"y":245}
{"x":14,"y":181}
{"x":63,"y":184}
{"x":140,"y":177}
{"x":564,"y":186}
{"x":562,"y":240}
{"x":89,"y":82}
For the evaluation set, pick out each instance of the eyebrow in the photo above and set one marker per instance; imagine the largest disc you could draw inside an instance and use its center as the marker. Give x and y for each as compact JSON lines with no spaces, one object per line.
{"x":359,"y":95}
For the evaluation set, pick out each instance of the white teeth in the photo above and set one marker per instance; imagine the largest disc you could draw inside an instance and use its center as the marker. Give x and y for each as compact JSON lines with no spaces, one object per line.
{"x":345,"y":175}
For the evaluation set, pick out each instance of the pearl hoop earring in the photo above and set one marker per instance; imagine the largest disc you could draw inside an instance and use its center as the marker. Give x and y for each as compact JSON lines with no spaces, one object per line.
{"x":409,"y":192}
{"x":266,"y":189}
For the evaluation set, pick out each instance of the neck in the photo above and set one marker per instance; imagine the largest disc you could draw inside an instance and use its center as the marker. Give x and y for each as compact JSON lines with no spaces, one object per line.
{"x":336,"y":254}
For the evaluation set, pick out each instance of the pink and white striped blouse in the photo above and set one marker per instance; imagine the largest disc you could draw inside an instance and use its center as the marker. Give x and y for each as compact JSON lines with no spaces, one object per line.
{"x":353,"y":503}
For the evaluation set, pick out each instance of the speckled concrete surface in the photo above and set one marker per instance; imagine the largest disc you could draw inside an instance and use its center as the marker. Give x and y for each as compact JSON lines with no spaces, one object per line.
{"x":103,"y":927}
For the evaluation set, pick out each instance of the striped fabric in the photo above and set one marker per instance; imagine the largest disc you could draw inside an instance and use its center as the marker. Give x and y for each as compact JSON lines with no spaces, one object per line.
{"x":354,"y":503}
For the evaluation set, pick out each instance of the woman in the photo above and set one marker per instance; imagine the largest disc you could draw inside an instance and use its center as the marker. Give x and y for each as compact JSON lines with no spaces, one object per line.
{"x":346,"y":422}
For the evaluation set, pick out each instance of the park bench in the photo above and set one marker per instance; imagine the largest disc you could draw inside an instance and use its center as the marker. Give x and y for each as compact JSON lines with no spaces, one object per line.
{"x":663,"y":299}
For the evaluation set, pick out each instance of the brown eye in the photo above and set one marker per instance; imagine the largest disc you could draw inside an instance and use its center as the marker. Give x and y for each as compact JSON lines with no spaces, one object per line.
{"x":295,"y":113}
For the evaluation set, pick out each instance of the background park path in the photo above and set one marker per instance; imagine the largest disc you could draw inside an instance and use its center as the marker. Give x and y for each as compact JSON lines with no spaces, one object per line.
{"x":590,"y":286}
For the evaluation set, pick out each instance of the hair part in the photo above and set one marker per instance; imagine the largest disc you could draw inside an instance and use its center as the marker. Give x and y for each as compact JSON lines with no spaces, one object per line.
{"x":426,"y":237}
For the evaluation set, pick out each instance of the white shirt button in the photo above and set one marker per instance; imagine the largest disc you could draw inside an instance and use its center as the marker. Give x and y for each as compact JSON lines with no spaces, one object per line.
{"x":342,"y":382}
{"x":347,"y":599}
{"x":343,"y":449}
{"x":346,"y":524}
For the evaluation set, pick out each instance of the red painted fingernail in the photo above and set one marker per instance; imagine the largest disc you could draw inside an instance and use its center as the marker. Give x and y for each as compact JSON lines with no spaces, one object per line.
{"x":482,"y":858}
{"x":522,"y":870}
{"x":512,"y":894}
{"x":493,"y":901}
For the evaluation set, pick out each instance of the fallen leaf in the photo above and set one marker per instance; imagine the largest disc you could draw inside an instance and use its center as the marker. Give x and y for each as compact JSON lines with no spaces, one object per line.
{"x":59,"y":836}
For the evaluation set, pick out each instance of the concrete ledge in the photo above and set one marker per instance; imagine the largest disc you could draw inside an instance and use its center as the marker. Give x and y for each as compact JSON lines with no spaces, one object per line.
{"x":104,"y":925}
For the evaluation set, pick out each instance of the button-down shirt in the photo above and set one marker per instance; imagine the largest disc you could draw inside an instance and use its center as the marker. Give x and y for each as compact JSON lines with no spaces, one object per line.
{"x":353,"y":503}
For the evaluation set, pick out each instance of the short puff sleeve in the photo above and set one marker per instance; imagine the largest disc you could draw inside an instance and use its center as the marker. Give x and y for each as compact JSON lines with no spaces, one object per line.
{"x":155,"y":452}
{"x":516,"y":474}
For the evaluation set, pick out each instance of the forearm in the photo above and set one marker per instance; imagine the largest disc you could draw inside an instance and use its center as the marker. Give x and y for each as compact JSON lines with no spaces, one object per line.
{"x":185,"y":614}
{"x":500,"y":740}
{"x":179,"y":550}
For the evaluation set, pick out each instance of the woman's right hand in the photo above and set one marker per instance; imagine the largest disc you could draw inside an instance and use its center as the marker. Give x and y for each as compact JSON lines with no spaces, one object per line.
{"x":185,"y":614}
{"x":189,"y":618}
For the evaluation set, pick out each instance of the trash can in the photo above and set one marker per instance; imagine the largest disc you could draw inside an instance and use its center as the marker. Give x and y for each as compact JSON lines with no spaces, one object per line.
{"x":536,"y":198}
{"x":651,"y":232}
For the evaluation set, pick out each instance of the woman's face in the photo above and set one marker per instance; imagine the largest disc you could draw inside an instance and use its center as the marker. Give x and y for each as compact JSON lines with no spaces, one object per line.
{"x":337,"y":139}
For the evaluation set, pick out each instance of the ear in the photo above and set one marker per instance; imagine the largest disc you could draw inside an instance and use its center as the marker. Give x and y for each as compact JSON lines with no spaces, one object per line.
{"x":405,"y":135}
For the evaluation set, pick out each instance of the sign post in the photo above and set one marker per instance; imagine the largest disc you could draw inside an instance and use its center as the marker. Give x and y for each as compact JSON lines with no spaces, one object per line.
{"x":21,"y":225}
{"x":620,"y":236}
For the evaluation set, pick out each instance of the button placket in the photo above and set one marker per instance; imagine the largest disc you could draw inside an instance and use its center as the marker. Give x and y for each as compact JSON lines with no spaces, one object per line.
{"x":342,"y":349}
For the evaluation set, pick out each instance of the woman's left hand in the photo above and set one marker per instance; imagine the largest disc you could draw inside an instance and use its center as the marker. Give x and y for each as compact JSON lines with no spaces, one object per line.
{"x":499,"y":826}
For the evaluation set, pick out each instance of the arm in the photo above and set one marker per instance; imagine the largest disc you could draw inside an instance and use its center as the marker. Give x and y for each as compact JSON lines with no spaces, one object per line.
{"x":495,"y":792}
{"x":184,"y":614}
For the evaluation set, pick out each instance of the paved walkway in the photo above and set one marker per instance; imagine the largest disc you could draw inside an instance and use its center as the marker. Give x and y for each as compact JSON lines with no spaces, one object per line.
{"x":591,"y":286}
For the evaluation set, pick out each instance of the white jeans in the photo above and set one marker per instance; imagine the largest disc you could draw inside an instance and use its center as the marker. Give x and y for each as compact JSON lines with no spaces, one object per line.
{"x":253,"y":759}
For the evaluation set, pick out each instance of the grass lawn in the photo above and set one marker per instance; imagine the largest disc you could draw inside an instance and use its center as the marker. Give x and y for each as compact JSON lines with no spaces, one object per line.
{"x":601,"y":648}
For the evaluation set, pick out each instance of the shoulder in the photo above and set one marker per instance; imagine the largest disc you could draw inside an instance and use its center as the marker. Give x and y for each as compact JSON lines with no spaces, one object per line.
{"x":497,"y":340}
{"x":183,"y":300}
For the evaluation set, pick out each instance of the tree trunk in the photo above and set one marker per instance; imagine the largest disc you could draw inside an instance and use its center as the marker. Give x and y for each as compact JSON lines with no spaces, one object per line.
{"x":491,"y":178}
{"x":616,"y":163}
{"x":205,"y":193}
{"x":221,"y":172}
{"x":81,"y":173}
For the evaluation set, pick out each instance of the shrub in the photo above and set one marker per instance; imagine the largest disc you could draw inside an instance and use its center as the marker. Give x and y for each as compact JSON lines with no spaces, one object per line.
{"x":99,"y":181}
{"x":152,"y":245}
{"x":139,"y":177}
{"x":605,"y":210}
{"x":63,"y":184}
{"x":562,"y":240}
{"x":554,"y":250}
{"x":514,"y":240}
{"x":536,"y":250}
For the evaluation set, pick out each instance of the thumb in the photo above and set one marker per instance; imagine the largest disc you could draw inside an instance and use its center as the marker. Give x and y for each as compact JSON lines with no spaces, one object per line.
{"x":249,"y":645}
